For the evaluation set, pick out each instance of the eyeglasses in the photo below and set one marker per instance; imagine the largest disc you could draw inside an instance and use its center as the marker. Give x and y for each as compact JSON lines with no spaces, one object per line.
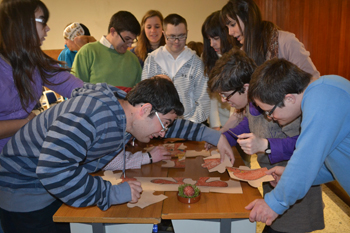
{"x":128,"y":40}
{"x":164,"y":128}
{"x":226,"y":98}
{"x":40,"y":20}
{"x":269,"y":113}
{"x":172,"y":38}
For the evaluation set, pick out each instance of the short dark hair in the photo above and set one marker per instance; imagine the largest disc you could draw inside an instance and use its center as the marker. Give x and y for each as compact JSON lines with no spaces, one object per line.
{"x":124,"y":21}
{"x":276,"y":78}
{"x":160,"y":93}
{"x":174,"y":19}
{"x":231,"y":72}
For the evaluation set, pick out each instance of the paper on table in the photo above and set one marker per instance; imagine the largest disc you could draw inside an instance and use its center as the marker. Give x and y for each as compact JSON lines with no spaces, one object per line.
{"x":222,"y":166}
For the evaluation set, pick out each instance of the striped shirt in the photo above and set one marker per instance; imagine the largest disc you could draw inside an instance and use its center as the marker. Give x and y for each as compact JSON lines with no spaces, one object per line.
{"x":187,"y":74}
{"x":51,"y":157}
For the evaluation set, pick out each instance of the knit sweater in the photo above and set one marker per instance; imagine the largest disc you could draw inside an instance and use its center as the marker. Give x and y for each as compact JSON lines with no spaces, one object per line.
{"x":51,"y":157}
{"x":188,"y":78}
{"x":96,"y":63}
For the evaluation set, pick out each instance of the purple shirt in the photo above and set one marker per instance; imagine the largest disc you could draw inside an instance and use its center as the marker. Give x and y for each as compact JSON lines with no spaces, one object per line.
{"x":281,"y":148}
{"x":11,"y":108}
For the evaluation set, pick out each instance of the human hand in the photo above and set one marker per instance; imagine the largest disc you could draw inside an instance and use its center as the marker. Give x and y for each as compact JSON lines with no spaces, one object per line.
{"x":225,"y":149}
{"x":159,"y":153}
{"x":252,"y":144}
{"x":276,"y":173}
{"x":31,"y":116}
{"x":261,"y":212}
{"x":136,"y":190}
{"x":208,"y":146}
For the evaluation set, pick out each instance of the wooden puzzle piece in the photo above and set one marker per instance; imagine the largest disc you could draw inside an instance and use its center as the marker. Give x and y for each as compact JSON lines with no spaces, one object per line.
{"x":174,"y":163}
{"x":147,"y":198}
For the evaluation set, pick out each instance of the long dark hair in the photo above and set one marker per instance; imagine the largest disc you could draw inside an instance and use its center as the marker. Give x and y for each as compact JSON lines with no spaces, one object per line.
{"x":212,"y":28}
{"x":143,"y":45}
{"x":257,"y":33}
{"x":20,"y":46}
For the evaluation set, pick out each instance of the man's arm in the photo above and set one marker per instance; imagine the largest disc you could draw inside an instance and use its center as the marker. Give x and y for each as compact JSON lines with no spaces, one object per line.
{"x":61,"y":173}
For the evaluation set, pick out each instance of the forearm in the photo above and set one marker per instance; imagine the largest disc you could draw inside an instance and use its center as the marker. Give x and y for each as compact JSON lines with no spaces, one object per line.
{"x":10,"y":127}
{"x":133,"y":161}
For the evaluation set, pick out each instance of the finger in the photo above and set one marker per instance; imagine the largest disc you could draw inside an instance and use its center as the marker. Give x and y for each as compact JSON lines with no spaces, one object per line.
{"x":272,"y":170}
{"x":166,"y":158}
{"x":251,"y":205}
{"x":268,"y":222}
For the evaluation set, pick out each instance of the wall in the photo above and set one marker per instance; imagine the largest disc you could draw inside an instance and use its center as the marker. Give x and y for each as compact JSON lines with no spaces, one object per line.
{"x":322,"y":25}
{"x":95,"y":14}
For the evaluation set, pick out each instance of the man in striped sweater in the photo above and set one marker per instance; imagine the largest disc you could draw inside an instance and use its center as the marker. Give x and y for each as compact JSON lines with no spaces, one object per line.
{"x":48,"y":161}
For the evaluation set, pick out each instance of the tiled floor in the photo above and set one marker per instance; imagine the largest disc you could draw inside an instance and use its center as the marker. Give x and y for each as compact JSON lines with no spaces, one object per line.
{"x":336,"y":212}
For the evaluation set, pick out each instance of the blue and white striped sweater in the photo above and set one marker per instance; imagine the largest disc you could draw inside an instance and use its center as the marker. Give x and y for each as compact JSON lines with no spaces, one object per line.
{"x":53,"y":154}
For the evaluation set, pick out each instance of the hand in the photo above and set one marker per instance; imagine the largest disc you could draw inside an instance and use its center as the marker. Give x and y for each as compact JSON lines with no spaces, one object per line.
{"x":276,"y":172}
{"x":136,"y":190}
{"x":225,"y":149}
{"x":159,"y":153}
{"x":31,"y":116}
{"x":208,"y":146}
{"x":261,"y":212}
{"x":252,"y":144}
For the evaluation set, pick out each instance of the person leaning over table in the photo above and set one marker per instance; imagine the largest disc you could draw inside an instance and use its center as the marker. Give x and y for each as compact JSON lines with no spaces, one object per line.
{"x":322,"y":151}
{"x":109,"y":60}
{"x":55,"y":152}
{"x":258,"y":134}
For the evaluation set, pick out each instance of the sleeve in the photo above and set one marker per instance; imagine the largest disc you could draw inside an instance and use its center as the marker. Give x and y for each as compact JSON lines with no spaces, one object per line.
{"x":66,"y":83}
{"x":214,"y":119}
{"x":59,"y":167}
{"x":146,"y":69}
{"x":294,"y":51}
{"x":281,"y":148}
{"x":193,"y":131}
{"x":200,"y":94}
{"x":242,"y":127}
{"x":133,"y":161}
{"x":314,"y":144}
{"x":81,"y":67}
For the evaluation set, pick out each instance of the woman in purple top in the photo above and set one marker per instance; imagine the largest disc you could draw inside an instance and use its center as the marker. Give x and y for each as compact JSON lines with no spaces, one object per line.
{"x":24,"y":67}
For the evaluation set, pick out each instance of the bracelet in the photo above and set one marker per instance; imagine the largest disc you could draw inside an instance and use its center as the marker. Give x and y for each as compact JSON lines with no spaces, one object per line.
{"x":150,"y":157}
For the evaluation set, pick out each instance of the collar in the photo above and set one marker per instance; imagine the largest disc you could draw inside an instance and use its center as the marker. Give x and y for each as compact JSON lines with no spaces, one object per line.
{"x":105,"y":42}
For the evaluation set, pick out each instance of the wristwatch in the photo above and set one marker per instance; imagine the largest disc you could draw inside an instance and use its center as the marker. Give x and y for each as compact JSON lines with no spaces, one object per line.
{"x":268,"y":150}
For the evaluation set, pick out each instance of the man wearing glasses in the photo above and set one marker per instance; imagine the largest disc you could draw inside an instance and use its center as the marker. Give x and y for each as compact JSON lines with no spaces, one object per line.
{"x":183,"y":67}
{"x":109,"y":59}
{"x":257,"y":133}
{"x":49,"y":160}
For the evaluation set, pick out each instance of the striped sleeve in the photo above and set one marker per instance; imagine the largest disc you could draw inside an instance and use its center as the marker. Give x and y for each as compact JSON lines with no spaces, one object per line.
{"x":193,"y":131}
{"x":59,"y":169}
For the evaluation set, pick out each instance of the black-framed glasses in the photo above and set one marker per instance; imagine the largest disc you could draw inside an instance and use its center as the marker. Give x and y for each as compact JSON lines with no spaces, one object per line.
{"x":229,"y":96}
{"x":161,"y":123}
{"x":173,"y":38}
{"x":127,"y":40}
{"x":269,"y":113}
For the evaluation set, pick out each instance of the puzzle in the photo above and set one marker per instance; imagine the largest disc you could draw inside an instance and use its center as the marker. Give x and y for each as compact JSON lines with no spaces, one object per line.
{"x":151,"y":184}
{"x":254,"y":177}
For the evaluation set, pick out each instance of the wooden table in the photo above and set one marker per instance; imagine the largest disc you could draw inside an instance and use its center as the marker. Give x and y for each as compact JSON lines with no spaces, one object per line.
{"x":215,"y":212}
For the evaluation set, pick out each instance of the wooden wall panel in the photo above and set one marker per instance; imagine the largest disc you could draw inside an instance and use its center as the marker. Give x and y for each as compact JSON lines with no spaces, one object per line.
{"x":321,"y":25}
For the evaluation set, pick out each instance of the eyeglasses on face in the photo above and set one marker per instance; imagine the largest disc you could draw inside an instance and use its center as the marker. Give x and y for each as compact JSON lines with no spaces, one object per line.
{"x":40,"y":20}
{"x":269,"y":113}
{"x":226,"y":98}
{"x":128,"y":40}
{"x":164,"y":128}
{"x":173,"y":38}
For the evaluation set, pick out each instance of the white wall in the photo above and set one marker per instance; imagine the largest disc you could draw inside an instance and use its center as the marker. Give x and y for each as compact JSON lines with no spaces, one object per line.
{"x":95,"y":14}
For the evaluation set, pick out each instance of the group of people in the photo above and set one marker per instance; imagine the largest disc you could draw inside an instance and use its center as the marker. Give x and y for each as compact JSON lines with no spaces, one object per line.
{"x":253,"y":80}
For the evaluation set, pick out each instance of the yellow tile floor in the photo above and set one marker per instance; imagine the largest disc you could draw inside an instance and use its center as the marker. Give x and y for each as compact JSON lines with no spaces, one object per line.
{"x":336,"y":212}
